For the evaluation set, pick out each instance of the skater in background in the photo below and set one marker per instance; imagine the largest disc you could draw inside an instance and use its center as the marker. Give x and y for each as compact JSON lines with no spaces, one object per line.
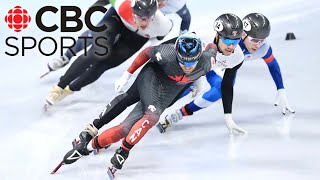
{"x":79,"y":45}
{"x":179,"y":7}
{"x":165,"y":6}
{"x":131,"y":25}
{"x":255,"y":46}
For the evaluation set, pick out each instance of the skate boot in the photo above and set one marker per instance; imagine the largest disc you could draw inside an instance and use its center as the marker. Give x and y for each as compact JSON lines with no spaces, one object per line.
{"x":54,"y":95}
{"x":58,"y":63}
{"x":119,"y":158}
{"x":170,"y":120}
{"x":90,"y":129}
{"x":117,"y":161}
{"x":66,"y":92}
{"x":57,"y":93}
{"x":80,"y":149}
{"x":93,"y":131}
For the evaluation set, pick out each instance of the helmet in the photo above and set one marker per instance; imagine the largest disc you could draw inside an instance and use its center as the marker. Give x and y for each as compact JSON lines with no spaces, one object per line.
{"x":229,"y":26}
{"x":189,"y":48}
{"x":162,"y":3}
{"x":256,"y":25}
{"x":144,"y":8}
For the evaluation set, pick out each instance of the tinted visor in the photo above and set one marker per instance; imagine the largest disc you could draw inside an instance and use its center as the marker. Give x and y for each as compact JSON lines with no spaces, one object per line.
{"x":228,"y":42}
{"x":187,"y":63}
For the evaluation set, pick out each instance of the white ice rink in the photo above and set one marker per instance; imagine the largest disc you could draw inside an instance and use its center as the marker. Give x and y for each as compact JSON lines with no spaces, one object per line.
{"x":277,"y":147}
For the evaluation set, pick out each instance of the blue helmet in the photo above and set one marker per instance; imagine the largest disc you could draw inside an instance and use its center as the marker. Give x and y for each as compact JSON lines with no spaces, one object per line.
{"x":189,"y":48}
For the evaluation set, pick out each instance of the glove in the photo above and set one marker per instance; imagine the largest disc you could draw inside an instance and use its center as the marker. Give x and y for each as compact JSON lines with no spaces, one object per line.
{"x":121,"y":83}
{"x":283,"y":101}
{"x":194,"y":91}
{"x":170,"y":120}
{"x":57,"y":63}
{"x":232,"y":126}
{"x":196,"y":87}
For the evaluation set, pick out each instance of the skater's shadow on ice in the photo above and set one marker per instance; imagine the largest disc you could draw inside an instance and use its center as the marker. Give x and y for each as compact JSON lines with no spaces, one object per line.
{"x":210,"y":124}
{"x":81,"y":101}
{"x":133,"y":168}
{"x":50,"y":81}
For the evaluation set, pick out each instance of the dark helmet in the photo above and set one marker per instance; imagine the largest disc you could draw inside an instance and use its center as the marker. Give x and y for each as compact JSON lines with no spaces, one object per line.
{"x":229,"y":26}
{"x":256,"y":25}
{"x":189,"y":48}
{"x":144,"y":8}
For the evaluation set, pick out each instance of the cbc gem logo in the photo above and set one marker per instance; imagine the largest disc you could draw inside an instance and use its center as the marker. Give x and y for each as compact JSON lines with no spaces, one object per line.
{"x":17,"y":18}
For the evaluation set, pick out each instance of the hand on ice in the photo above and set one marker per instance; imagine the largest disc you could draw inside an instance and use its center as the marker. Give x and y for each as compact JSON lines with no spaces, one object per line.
{"x":194,"y":91}
{"x":121,"y":83}
{"x":233,"y":128}
{"x":196,"y":87}
{"x":282,"y":100}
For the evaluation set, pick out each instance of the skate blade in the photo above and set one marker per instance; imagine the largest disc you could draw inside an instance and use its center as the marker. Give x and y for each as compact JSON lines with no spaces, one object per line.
{"x":46,"y":107}
{"x":44,"y":74}
{"x":160,"y":128}
{"x":58,"y":167}
{"x":111,"y":173}
{"x":96,"y":151}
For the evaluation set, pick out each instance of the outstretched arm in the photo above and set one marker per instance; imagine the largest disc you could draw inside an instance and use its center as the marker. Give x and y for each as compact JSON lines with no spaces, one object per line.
{"x":227,"y":98}
{"x":275,"y":72}
{"x":140,"y":60}
{"x":227,"y":88}
{"x":274,"y":68}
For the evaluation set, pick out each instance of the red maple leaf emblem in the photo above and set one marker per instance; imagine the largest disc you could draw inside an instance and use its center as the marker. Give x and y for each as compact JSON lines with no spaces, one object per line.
{"x":180,"y":79}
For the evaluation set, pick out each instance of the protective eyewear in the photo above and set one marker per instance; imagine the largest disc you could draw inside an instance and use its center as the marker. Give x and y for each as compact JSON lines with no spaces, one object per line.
{"x":143,"y":18}
{"x":256,"y":40}
{"x":228,"y":42}
{"x":187,"y":63}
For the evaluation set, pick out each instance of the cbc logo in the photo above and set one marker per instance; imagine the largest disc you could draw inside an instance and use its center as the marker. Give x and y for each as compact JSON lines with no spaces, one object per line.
{"x":17,"y":18}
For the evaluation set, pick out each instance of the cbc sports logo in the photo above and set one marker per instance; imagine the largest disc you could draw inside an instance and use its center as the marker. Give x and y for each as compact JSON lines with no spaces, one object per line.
{"x":18,"y":19}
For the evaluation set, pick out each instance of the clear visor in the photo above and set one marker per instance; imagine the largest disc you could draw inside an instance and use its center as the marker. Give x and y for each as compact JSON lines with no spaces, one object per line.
{"x":256,"y":40}
{"x":143,"y":18}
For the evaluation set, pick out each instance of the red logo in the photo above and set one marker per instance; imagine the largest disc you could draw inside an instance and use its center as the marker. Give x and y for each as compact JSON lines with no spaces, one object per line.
{"x":181,"y":79}
{"x":17,"y":18}
{"x":234,"y":33}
